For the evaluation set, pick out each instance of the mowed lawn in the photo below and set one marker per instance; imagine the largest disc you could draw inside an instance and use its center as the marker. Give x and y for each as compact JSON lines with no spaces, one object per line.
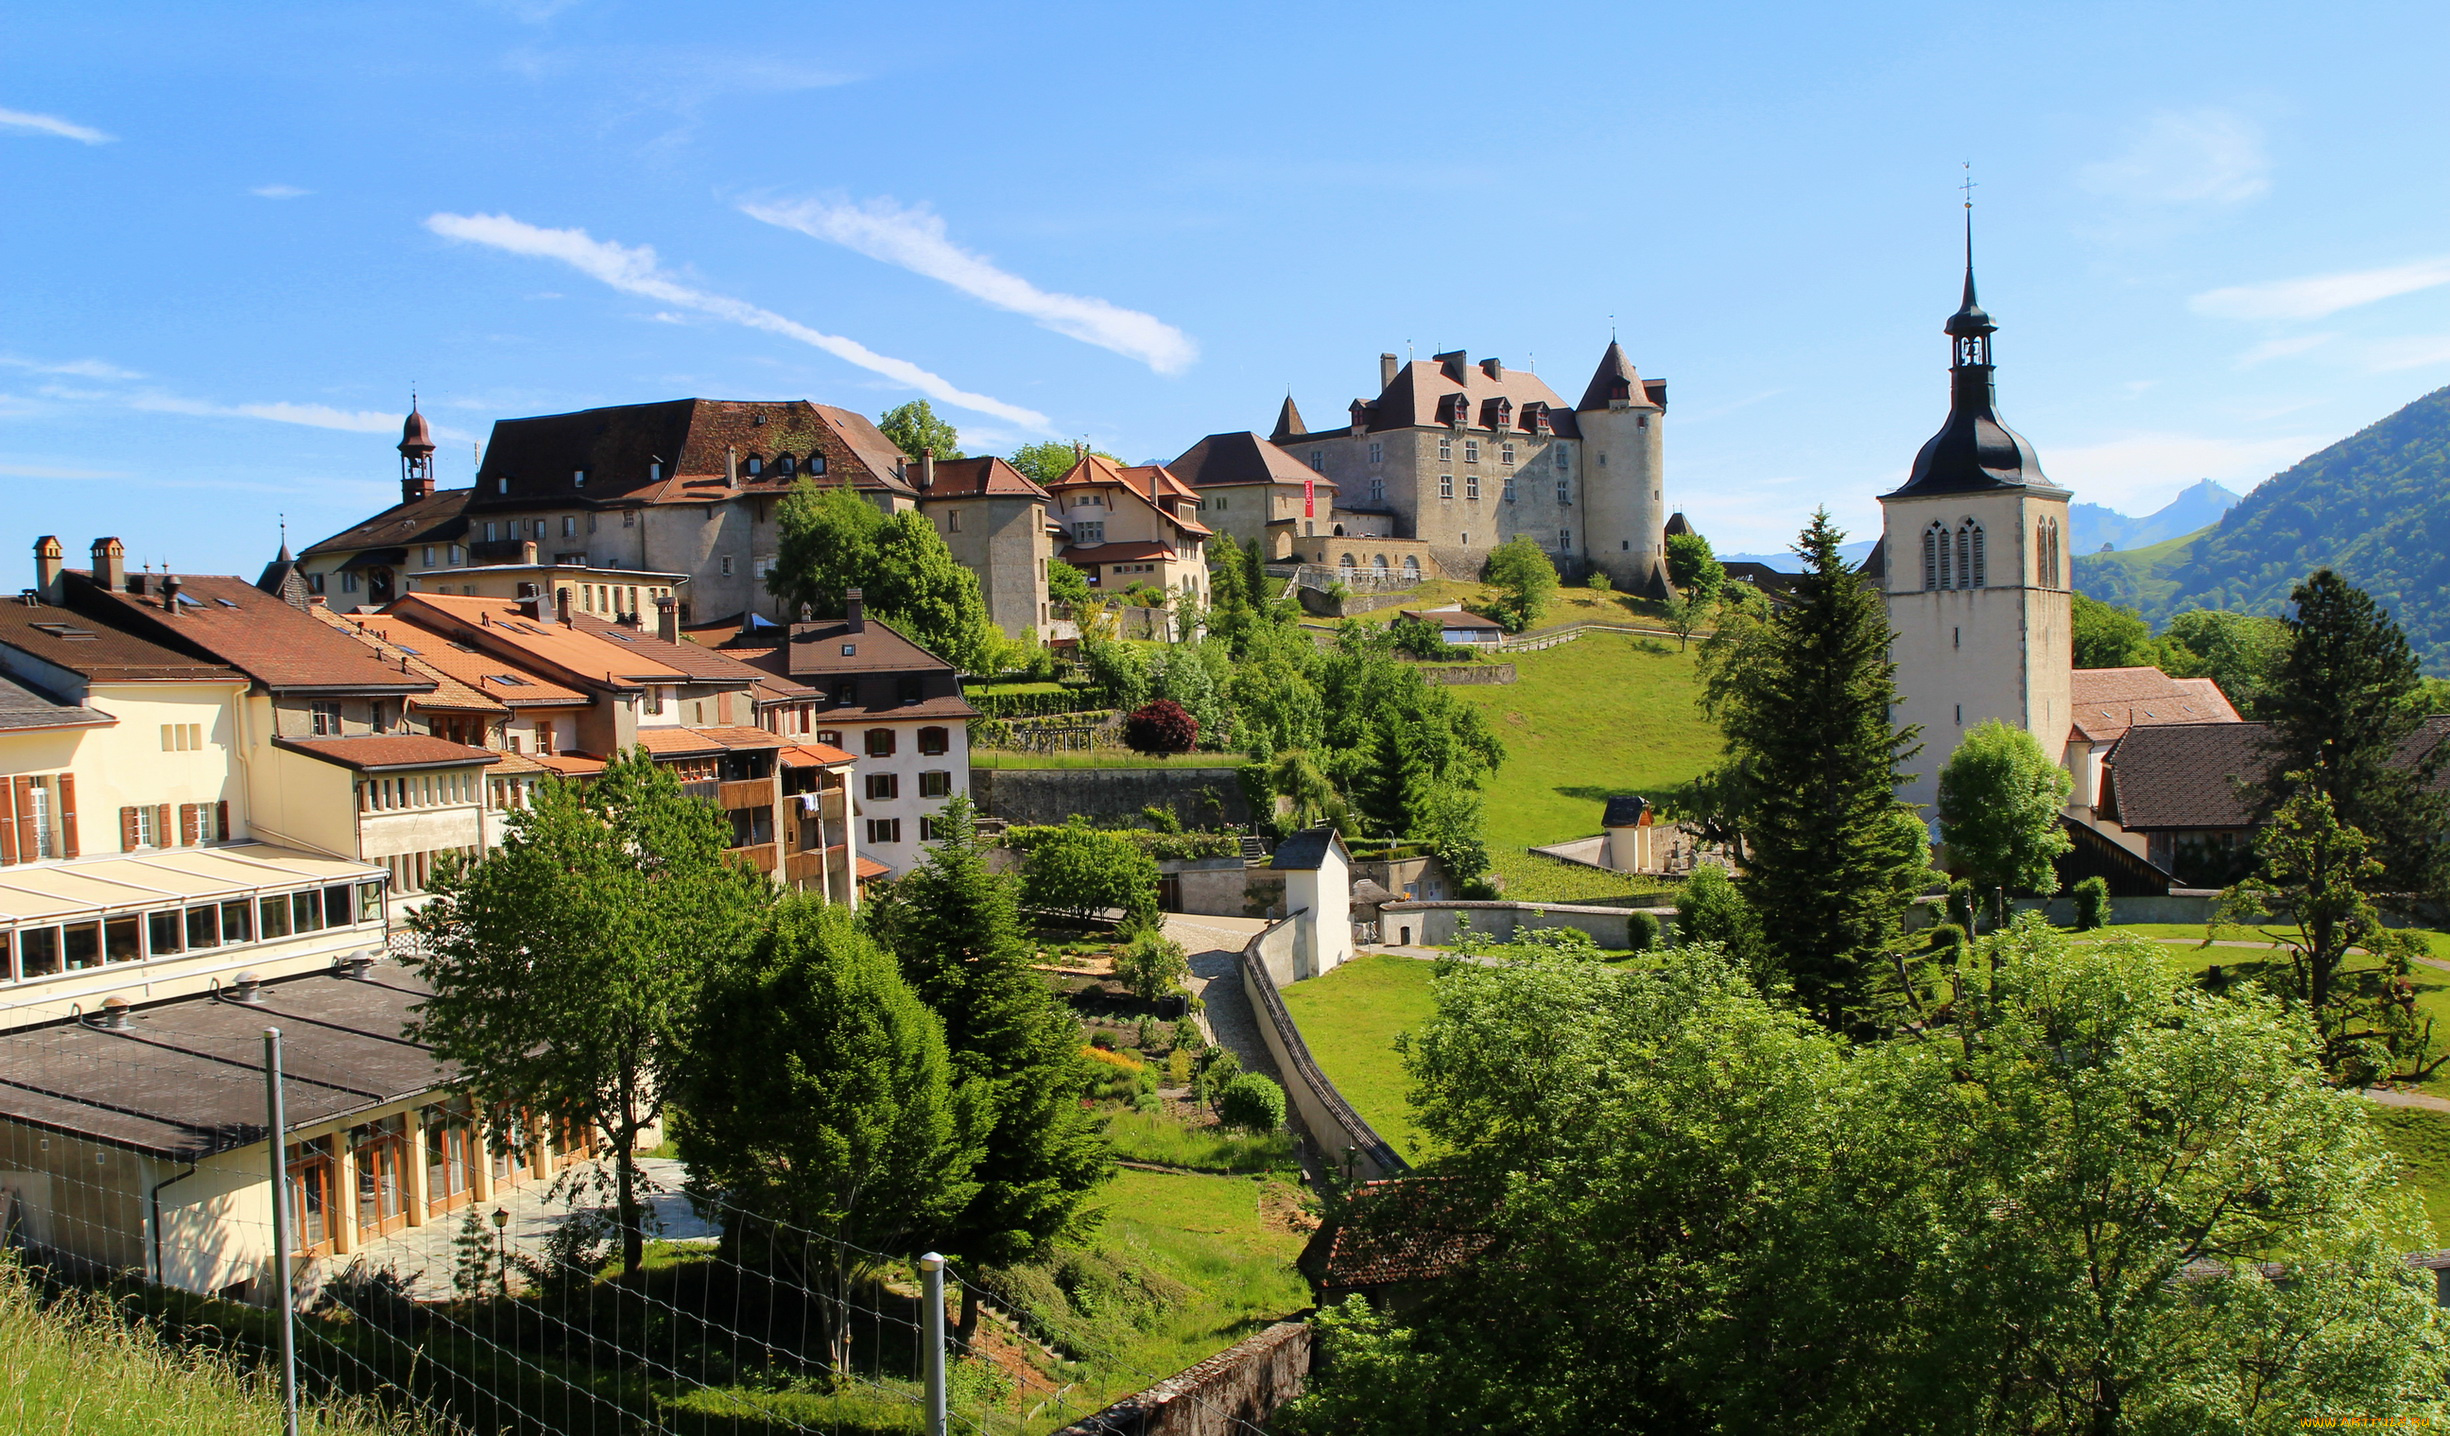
{"x":1350,"y":1018}
{"x":1584,"y":721}
{"x":1211,"y":1235}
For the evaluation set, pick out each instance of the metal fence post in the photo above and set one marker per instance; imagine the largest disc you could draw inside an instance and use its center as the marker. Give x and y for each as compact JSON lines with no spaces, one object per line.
{"x":276,"y":1133}
{"x":931,"y":1268}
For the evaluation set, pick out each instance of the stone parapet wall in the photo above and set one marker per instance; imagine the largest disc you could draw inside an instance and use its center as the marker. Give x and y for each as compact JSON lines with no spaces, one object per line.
{"x":1270,"y":961}
{"x":1229,"y":1394}
{"x":1435,"y":924}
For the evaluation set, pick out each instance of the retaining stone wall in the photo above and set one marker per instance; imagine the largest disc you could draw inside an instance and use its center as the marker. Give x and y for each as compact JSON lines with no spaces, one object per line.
{"x":1201,"y":797}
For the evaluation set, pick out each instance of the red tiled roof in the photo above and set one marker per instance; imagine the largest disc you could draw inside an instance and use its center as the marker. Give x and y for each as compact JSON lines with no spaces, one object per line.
{"x":495,"y":623}
{"x":1420,"y":388}
{"x":1149,"y":483}
{"x":868,"y":868}
{"x":1244,"y":458}
{"x":232,"y":620}
{"x":2106,"y":702}
{"x":695,"y":659}
{"x":373,"y":753}
{"x":1400,"y":1230}
{"x":972,"y":478}
{"x":386,"y":637}
{"x":569,"y":765}
{"x":815,"y":755}
{"x":470,"y":666}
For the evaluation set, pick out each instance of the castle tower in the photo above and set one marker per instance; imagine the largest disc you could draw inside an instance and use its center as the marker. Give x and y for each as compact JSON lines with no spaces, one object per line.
{"x":416,"y":457}
{"x":1624,"y":512}
{"x":1975,"y":573}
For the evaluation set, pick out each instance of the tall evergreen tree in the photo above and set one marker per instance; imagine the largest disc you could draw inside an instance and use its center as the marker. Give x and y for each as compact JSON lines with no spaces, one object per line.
{"x":2342,"y":708}
{"x":1014,"y":1048}
{"x":1805,"y":709}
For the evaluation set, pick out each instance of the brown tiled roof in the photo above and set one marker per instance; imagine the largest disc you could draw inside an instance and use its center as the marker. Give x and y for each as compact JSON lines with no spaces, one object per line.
{"x":2201,"y":775}
{"x":440,"y":517}
{"x":102,"y":652}
{"x":232,"y":620}
{"x":690,"y":438}
{"x":700,"y":662}
{"x":569,"y":765}
{"x":692,"y":742}
{"x":868,"y":868}
{"x":565,"y":650}
{"x":1400,"y":1230}
{"x":1614,"y":375}
{"x":815,"y":755}
{"x":1149,"y":483}
{"x":2106,"y":702}
{"x":25,"y":709}
{"x":471,"y":668}
{"x":814,"y":650}
{"x":972,"y":478}
{"x":1421,"y":387}
{"x":740,"y":735}
{"x":397,"y":640}
{"x":1243,"y":458}
{"x":378,"y":752}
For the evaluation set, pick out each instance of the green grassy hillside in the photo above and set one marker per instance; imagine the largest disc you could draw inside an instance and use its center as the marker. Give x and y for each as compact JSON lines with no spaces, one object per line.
{"x":2144,"y":579}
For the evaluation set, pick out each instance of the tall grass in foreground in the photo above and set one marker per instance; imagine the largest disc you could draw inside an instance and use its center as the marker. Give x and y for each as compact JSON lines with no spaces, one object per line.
{"x":72,"y":1363}
{"x":1146,"y":1137}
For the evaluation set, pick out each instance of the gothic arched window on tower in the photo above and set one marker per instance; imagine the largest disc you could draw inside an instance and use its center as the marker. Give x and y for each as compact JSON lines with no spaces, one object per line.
{"x":1965,"y":554}
{"x":2041,"y":554}
{"x":1935,"y":558}
{"x":1978,"y":576}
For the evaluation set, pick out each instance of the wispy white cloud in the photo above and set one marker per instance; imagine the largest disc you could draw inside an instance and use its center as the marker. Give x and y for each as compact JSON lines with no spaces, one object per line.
{"x":79,"y":368}
{"x":2150,"y":468}
{"x":2320,"y":295}
{"x":53,"y":471}
{"x":279,"y":191}
{"x":634,"y":270}
{"x":914,"y":238}
{"x":2271,"y":349}
{"x":2194,"y":157}
{"x":34,"y":124}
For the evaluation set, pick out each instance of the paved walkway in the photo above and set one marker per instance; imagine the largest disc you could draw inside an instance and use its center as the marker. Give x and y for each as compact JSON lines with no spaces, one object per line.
{"x":424,"y":1256}
{"x":1215,"y":945}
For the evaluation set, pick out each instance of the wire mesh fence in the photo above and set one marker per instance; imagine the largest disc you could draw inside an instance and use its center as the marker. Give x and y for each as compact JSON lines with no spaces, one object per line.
{"x":449,"y":1274}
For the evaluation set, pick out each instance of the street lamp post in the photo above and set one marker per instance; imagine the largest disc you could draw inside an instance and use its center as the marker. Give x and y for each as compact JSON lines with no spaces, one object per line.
{"x":501,"y":1244}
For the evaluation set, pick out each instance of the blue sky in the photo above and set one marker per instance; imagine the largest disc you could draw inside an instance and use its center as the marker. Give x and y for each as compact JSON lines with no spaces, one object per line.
{"x":2214,"y":235}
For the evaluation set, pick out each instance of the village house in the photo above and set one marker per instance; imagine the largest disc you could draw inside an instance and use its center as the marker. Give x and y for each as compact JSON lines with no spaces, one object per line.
{"x":1251,"y":488}
{"x":892,"y":703}
{"x":994,"y":519}
{"x":1132,"y":527}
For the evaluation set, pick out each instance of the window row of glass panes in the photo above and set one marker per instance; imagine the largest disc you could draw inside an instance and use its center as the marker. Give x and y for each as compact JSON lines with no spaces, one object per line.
{"x":28,"y":954}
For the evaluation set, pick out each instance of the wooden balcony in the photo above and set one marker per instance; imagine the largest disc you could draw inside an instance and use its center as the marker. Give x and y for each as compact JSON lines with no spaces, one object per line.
{"x":747,"y":793}
{"x":761,"y":858}
{"x":808,"y":867}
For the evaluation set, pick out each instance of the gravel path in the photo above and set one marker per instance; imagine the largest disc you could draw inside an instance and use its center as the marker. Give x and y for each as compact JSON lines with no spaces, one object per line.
{"x":1214,"y":944}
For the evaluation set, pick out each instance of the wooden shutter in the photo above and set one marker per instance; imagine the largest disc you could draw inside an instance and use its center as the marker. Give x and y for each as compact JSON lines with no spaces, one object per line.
{"x":127,"y":830}
{"x":68,"y":815}
{"x":723,"y":708}
{"x":161,"y":825}
{"x":8,"y":820}
{"x":221,"y":822}
{"x":29,"y":842}
{"x":189,"y":813}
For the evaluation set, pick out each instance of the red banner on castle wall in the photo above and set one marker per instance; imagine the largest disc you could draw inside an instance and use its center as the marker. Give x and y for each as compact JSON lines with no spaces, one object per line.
{"x":1310,"y":498}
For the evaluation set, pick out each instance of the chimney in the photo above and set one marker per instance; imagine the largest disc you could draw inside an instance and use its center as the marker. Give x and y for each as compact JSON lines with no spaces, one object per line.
{"x":1494,"y":368}
{"x":927,"y":469}
{"x":356,"y":966}
{"x":855,"y":609}
{"x":170,"y":593}
{"x":1387,"y":368}
{"x":1453,"y":362}
{"x":110,"y":564}
{"x":247,"y":990}
{"x":114,"y":1013}
{"x":562,"y":605}
{"x":731,"y":466}
{"x":668,"y":619}
{"x":544,"y":611}
{"x":47,"y":567}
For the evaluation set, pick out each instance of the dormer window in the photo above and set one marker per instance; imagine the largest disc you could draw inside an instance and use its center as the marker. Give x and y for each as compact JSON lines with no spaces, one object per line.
{"x":816,"y":464}
{"x":578,"y":478}
{"x":655,"y":471}
{"x":783,"y":462}
{"x":756,"y":466}
{"x":501,"y":485}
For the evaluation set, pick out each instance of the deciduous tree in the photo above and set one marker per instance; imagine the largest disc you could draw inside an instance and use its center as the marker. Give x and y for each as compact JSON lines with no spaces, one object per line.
{"x":2107,"y":636}
{"x":1078,"y":871}
{"x":1694,"y":569}
{"x":1525,"y":580}
{"x":565,"y":965}
{"x":2000,"y":799}
{"x":914,"y":428}
{"x":830,"y":540}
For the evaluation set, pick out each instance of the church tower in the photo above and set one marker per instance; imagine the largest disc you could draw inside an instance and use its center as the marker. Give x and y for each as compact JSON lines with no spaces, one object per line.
{"x":416,"y":457}
{"x":1975,"y":573}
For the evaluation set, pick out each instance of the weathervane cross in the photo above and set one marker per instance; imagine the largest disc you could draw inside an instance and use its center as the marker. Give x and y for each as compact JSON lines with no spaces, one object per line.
{"x":1968,"y":185}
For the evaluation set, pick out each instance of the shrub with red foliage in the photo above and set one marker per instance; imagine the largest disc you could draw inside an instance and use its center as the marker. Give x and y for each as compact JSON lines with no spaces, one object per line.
{"x":1161,"y":727}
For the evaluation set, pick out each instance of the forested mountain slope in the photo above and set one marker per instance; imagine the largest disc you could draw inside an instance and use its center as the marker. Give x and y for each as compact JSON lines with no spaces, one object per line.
{"x":2375,"y":506}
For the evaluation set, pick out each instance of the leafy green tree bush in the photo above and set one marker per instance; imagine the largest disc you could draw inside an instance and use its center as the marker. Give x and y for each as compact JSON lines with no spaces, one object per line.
{"x":1078,"y":871}
{"x":821,"y":1097}
{"x":831,"y":541}
{"x":1525,"y":580}
{"x":2084,"y":1258}
{"x":1711,"y":912}
{"x":1424,"y":640}
{"x":1641,"y":931}
{"x":2107,"y":636}
{"x":1151,"y":964}
{"x":915,"y":429}
{"x":2000,"y":799}
{"x":565,"y":965}
{"x":2240,"y":652}
{"x":2092,"y":904}
{"x":1050,"y":459}
{"x":1694,"y":569}
{"x":1253,"y":1103}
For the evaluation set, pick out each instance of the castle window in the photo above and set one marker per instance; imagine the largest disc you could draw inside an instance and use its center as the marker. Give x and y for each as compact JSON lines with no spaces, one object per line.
{"x":1471,"y":487}
{"x":1509,"y":488}
{"x":1565,"y":491}
{"x":569,"y":526}
{"x":578,"y":478}
{"x":1378,"y":491}
{"x":1378,"y":453}
{"x":1505,"y":455}
{"x":1471,"y":451}
{"x":1446,"y":486}
{"x":1565,"y":540}
{"x":1446,"y":450}
{"x":1318,"y":460}
{"x":1564,"y":459}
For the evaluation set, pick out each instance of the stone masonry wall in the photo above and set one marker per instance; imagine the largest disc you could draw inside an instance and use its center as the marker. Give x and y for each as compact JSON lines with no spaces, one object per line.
{"x":1201,"y":797}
